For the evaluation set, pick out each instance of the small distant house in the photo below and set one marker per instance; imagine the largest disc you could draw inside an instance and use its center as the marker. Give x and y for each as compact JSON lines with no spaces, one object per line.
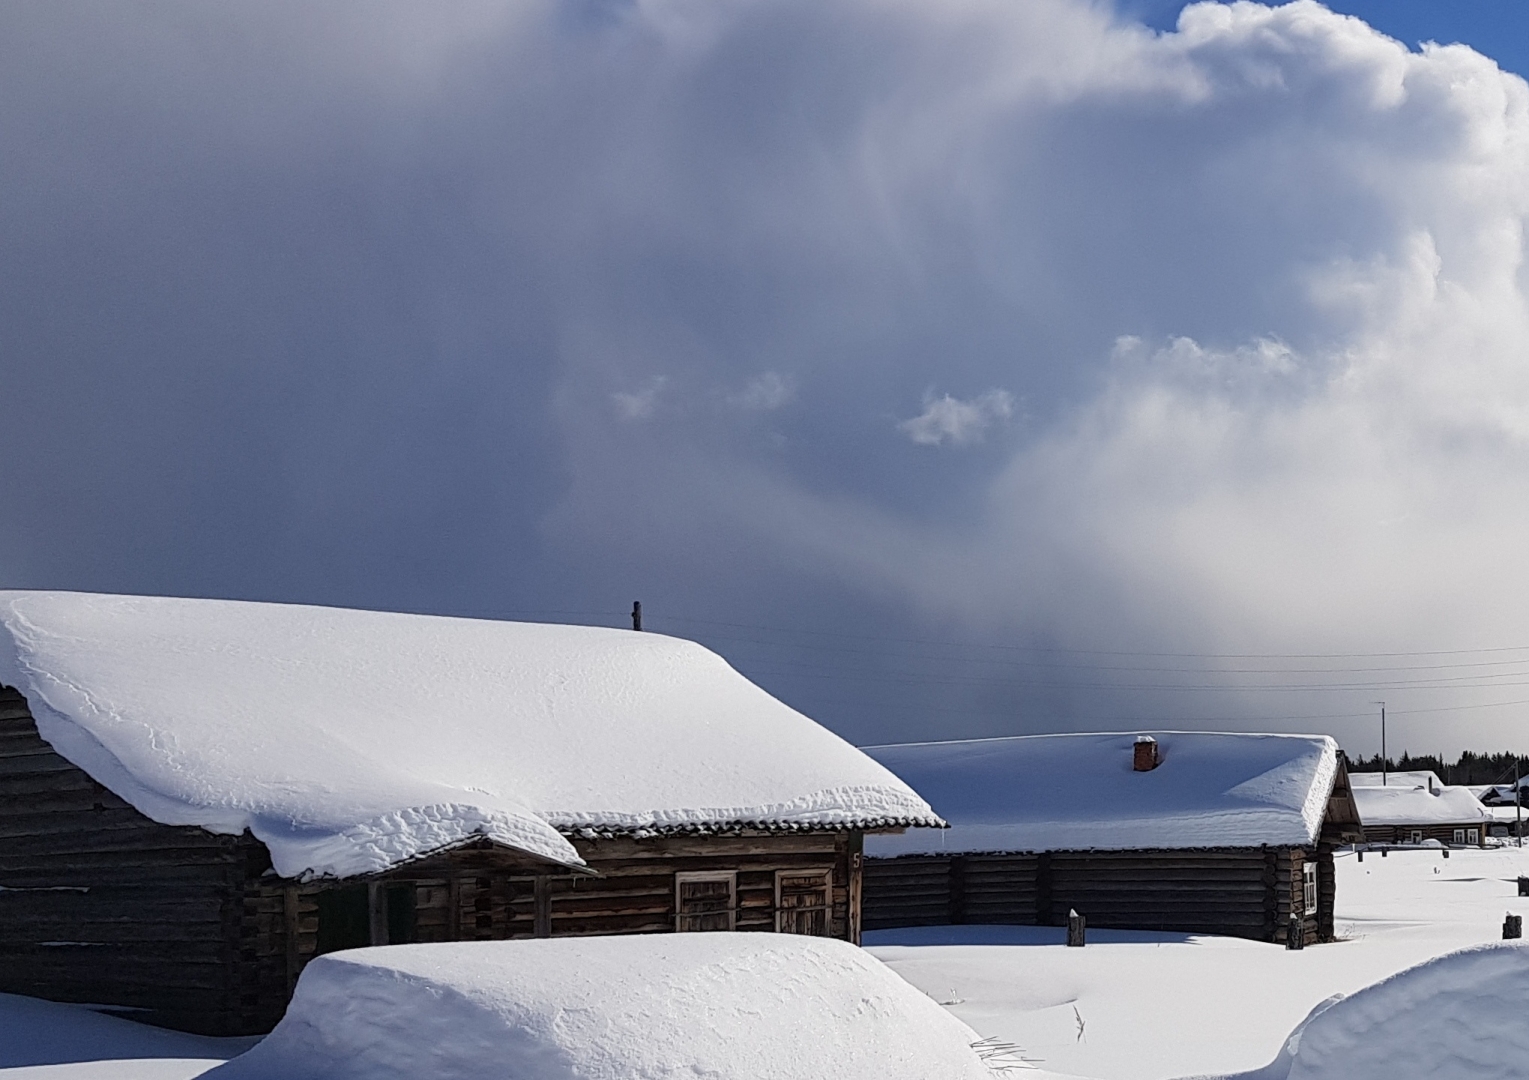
{"x":1211,"y":833}
{"x":197,"y":797}
{"x":1414,"y":807}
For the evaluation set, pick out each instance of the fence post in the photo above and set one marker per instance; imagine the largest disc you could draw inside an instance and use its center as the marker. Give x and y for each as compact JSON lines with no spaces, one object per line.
{"x":1295,"y":934}
{"x":1077,"y":929}
{"x":1512,"y":927}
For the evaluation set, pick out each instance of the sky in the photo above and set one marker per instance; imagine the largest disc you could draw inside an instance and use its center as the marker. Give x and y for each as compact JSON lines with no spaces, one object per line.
{"x":955,"y":370}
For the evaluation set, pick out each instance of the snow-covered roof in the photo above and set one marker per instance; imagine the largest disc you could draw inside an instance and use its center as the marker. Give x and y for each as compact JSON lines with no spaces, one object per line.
{"x":1424,"y":778}
{"x":1079,"y":792}
{"x":1414,"y":804}
{"x":349,"y":741}
{"x":637,"y":1007}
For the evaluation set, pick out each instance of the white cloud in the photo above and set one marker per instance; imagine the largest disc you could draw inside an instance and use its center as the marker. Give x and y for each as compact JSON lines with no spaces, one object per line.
{"x":960,"y":422}
{"x":639,"y":404}
{"x":1260,"y":284}
{"x":765,"y":392}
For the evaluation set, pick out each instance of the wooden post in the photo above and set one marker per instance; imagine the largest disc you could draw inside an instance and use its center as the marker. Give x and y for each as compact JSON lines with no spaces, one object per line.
{"x":377,"y":912}
{"x":1295,"y":934}
{"x":1523,"y":886}
{"x":856,"y":886}
{"x":1077,"y":929}
{"x":292,"y":925}
{"x":1512,"y":927}
{"x":543,"y":926}
{"x":636,"y":614}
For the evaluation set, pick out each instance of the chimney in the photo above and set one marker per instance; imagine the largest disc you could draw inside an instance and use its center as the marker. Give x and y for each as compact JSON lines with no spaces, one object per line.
{"x":1145,"y":759}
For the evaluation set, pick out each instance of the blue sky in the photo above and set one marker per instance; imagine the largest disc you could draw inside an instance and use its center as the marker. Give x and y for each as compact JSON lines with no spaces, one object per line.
{"x":956,"y":369}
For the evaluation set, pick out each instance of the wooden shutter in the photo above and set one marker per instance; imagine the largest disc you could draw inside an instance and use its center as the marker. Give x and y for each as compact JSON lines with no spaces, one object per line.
{"x":801,"y":902}
{"x":704,"y":901}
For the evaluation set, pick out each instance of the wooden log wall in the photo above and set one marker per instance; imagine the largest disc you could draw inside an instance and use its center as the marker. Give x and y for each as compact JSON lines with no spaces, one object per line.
{"x":1241,"y":892}
{"x":100,"y":904}
{"x":1445,"y":834}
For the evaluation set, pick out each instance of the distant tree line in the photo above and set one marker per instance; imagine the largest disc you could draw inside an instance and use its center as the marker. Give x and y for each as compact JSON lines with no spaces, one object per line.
{"x":1472,"y":768}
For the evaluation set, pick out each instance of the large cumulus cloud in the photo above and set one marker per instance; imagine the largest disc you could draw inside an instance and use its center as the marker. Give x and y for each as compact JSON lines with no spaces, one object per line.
{"x":989,"y":321}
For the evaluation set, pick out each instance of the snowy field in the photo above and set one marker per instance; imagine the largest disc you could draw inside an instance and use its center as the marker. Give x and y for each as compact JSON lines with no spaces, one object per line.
{"x":1130,"y":1005}
{"x":1139,"y":1006}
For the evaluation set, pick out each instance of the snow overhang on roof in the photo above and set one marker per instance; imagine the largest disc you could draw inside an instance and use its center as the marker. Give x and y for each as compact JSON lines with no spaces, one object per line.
{"x":1411,"y":804}
{"x":351,"y":741}
{"x":1080,"y":792}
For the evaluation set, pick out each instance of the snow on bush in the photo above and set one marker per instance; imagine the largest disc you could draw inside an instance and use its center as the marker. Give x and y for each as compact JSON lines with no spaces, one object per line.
{"x":1459,"y":1015}
{"x":721,"y":1006}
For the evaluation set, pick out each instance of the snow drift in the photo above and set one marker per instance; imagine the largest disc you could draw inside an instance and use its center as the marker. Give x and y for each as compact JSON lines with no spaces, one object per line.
{"x":350,"y":741}
{"x":1079,"y":792}
{"x":1459,"y":1015}
{"x":724,"y":1006}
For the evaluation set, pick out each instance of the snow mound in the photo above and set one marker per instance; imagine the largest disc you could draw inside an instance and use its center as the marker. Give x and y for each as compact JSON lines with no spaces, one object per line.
{"x":1079,"y":792}
{"x":658,"y":1007}
{"x":1459,"y":1015}
{"x":349,"y":741}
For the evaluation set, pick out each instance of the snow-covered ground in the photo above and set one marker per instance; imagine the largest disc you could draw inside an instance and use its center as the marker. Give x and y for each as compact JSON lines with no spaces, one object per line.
{"x":1137,"y":1006}
{"x":41,"y":1040}
{"x":1129,"y":1005}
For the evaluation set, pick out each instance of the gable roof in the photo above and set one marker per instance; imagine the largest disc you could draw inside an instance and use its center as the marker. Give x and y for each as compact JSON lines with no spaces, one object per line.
{"x":350,"y":741}
{"x":1079,"y":792}
{"x":1415,"y":804}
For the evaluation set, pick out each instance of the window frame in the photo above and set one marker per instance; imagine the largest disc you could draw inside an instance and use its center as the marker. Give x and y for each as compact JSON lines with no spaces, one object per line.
{"x":827,"y":874}
{"x":1415,"y":836}
{"x":1460,"y":836}
{"x":1473,"y":836}
{"x":683,"y":876}
{"x":1309,"y":887}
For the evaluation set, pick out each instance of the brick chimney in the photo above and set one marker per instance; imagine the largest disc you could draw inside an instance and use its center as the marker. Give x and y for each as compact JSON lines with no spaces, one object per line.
{"x":1145,"y":759}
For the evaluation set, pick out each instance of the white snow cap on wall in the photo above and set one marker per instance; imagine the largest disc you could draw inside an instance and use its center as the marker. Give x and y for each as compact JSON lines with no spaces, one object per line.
{"x":349,"y":741}
{"x":1414,"y":804}
{"x":1080,"y":793}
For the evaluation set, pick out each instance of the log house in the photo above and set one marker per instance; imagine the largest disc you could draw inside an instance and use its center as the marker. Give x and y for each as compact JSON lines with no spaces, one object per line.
{"x":1093,"y":823}
{"x":193,"y":928}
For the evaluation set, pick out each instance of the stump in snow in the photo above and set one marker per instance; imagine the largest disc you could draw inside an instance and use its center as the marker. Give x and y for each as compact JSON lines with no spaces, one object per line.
{"x":1512,"y":927}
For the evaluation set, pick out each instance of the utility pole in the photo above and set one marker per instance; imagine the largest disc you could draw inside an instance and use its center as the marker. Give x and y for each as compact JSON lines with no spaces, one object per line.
{"x":1382,"y":704}
{"x":1518,"y":799}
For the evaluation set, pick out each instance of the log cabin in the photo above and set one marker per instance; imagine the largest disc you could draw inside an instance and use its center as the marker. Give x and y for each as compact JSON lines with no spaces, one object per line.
{"x":1181,"y":831}
{"x":197,"y":796}
{"x":1414,"y":807}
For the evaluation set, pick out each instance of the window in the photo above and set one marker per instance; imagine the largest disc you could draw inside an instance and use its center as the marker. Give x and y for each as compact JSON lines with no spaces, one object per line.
{"x":704,"y":901}
{"x":1309,"y":884}
{"x":355,"y":916}
{"x":1473,"y":836}
{"x":1459,"y":836}
{"x":1416,"y":836}
{"x":802,"y":901}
